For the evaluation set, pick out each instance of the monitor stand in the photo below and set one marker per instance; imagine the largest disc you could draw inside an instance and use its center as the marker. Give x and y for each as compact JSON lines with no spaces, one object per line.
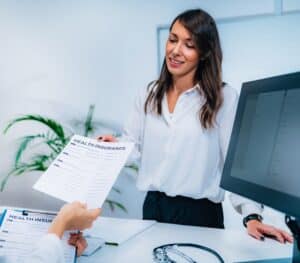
{"x":294,"y":226}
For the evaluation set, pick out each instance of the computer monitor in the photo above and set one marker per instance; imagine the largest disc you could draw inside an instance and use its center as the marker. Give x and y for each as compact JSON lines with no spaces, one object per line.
{"x":263,"y":158}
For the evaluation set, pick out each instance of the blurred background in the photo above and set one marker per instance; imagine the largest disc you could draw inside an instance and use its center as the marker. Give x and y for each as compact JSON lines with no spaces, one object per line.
{"x":59,"y":57}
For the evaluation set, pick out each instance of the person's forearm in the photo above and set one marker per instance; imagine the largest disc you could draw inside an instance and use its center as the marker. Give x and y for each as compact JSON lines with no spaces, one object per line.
{"x":57,"y":227}
{"x":48,"y":249}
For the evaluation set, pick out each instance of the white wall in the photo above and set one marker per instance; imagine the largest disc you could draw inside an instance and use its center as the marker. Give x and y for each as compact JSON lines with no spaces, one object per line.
{"x":57,"y":57}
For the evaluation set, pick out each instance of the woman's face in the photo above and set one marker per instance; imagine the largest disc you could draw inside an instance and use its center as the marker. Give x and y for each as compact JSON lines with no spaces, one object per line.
{"x":182,"y":56}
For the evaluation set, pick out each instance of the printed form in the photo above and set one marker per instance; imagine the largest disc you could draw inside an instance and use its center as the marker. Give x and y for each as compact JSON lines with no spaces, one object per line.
{"x":20,"y":232}
{"x":85,"y":170}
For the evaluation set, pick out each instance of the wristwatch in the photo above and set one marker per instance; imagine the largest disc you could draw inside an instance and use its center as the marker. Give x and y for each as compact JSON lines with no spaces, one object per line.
{"x":252,"y":217}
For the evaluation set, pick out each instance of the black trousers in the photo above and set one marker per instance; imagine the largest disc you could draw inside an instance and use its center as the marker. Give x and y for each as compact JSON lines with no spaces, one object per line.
{"x":182,"y":210}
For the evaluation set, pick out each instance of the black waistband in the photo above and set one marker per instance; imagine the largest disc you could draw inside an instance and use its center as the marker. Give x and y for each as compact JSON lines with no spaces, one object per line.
{"x":182,"y":210}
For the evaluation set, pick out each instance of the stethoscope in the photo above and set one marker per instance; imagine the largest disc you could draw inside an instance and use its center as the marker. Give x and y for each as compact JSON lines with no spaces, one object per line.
{"x":160,"y":254}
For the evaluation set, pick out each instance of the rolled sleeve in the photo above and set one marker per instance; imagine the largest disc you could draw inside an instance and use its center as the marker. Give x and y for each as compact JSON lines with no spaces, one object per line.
{"x":134,"y":126}
{"x":245,"y":206}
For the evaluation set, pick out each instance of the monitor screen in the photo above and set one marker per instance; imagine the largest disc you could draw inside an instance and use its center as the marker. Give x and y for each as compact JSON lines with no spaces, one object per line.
{"x":263,"y":158}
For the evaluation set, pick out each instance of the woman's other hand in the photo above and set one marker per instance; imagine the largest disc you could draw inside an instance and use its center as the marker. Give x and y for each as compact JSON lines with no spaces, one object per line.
{"x":260,"y":230}
{"x":107,"y":138}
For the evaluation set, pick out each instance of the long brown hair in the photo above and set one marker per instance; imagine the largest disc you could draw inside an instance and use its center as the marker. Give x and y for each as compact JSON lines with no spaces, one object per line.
{"x":209,"y":71}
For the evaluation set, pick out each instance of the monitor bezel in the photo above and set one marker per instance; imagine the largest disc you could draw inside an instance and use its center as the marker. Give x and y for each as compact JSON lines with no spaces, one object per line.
{"x":283,"y":202}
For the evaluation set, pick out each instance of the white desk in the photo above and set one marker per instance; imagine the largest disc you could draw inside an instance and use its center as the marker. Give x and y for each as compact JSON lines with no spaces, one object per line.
{"x":230,"y":244}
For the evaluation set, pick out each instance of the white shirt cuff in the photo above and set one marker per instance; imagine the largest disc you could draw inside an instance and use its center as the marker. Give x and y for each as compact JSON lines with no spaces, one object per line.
{"x":245,"y":206}
{"x":251,"y":208}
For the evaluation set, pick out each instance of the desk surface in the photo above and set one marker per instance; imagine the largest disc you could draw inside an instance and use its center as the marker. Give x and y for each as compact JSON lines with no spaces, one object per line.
{"x":232,"y":245}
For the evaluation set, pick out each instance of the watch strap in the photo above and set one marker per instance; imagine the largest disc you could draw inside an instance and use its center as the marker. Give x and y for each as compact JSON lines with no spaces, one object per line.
{"x":252,"y":217}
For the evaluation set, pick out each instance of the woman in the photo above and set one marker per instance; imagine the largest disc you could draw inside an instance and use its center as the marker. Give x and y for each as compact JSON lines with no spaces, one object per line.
{"x":181,"y":127}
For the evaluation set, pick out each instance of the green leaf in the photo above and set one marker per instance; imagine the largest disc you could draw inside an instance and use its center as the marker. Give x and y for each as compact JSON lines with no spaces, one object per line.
{"x":41,"y":162}
{"x":88,"y":126}
{"x":24,"y":144}
{"x":112,"y":205}
{"x":24,"y":167}
{"x":116,"y":190}
{"x":5,"y":179}
{"x":55,"y":143}
{"x":53,"y":125}
{"x":53,"y":146}
{"x":132,"y":167}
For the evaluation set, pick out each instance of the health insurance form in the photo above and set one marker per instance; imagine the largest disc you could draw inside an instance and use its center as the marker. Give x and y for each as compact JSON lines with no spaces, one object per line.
{"x":21,"y":230}
{"x":85,"y":170}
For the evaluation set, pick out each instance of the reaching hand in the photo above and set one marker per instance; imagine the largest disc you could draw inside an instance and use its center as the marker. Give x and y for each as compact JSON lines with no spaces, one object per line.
{"x":107,"y":138}
{"x":77,"y":240}
{"x":260,"y":230}
{"x":77,"y":216}
{"x":74,"y":216}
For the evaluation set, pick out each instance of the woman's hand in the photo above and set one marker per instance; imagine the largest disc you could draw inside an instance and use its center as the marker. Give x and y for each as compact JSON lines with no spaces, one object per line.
{"x":260,"y":230}
{"x":77,"y":240}
{"x":107,"y":138}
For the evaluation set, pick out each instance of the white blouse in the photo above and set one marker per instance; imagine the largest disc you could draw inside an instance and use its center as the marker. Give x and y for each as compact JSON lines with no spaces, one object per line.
{"x":176,"y":155}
